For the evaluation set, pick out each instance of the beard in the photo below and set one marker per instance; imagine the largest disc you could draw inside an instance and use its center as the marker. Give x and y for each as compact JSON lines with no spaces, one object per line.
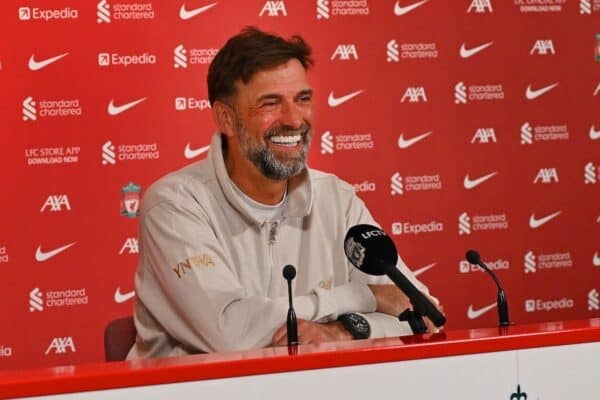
{"x":265,"y":160}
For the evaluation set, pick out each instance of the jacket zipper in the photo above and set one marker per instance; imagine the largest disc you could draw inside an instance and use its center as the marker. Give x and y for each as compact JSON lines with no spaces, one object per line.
{"x":271,"y":244}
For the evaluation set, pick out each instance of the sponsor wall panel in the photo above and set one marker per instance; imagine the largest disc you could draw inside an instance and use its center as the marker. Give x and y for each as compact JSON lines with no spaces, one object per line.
{"x":456,"y":131}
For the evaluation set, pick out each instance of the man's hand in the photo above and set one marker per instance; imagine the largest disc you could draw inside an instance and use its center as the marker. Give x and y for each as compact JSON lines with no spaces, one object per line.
{"x":313,"y":332}
{"x":390,"y":299}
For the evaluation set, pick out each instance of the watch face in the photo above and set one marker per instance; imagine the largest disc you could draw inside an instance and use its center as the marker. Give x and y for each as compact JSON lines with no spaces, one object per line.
{"x":357,"y":325}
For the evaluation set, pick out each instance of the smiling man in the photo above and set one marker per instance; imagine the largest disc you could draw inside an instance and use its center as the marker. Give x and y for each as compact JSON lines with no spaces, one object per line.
{"x":216,"y":234}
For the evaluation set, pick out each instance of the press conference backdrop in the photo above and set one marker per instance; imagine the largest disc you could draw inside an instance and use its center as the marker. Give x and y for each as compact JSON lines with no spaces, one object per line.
{"x":462,"y":124}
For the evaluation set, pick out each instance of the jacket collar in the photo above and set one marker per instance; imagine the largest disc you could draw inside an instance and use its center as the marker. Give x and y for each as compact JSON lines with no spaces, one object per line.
{"x":299,"y":190}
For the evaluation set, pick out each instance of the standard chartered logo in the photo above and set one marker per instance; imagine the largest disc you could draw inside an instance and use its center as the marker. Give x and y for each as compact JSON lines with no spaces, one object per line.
{"x":326,"y":143}
{"x":180,"y":57}
{"x":585,"y":7}
{"x":464,"y":224}
{"x":590,"y":173}
{"x":530,"y":264}
{"x":593,"y":301}
{"x":322,"y":9}
{"x":102,"y":12}
{"x":36,"y":303}
{"x":393,"y":54}
{"x":29,"y":111}
{"x":526,"y":133}
{"x":397,"y":188}
{"x":108,"y":153}
{"x":460,"y":93}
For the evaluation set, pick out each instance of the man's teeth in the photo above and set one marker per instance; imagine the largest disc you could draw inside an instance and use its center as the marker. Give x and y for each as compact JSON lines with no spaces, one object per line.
{"x":286,"y":140}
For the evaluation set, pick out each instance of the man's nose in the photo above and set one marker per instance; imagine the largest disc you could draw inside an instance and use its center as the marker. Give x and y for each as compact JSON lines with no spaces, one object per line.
{"x":292,"y":116}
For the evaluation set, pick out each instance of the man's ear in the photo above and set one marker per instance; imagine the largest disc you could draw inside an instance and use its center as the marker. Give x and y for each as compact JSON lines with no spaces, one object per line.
{"x":224,"y":118}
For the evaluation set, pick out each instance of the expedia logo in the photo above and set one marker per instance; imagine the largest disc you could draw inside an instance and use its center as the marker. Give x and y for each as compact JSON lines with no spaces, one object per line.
{"x":464,"y":93}
{"x":409,"y":228}
{"x":35,"y":13}
{"x":3,"y":255}
{"x":5,"y":351}
{"x":183,"y":57}
{"x":467,"y":224}
{"x":342,"y":8}
{"x":543,"y":133}
{"x":125,"y":60}
{"x":365,"y":186}
{"x":191,"y":103}
{"x":495,"y":265}
{"x":52,"y":155}
{"x":346,"y":142}
{"x":533,"y":305}
{"x":540,"y":6}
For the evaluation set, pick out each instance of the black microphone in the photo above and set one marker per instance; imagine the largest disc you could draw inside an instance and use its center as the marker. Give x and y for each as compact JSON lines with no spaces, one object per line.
{"x":289,"y":273}
{"x":373,"y":252}
{"x":474,"y":258}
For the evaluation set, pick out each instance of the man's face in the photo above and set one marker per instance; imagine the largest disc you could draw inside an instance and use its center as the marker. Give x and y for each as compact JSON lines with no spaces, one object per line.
{"x":274,"y":119}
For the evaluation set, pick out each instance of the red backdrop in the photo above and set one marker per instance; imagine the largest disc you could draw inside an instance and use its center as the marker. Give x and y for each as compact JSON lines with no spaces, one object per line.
{"x":463,"y":124}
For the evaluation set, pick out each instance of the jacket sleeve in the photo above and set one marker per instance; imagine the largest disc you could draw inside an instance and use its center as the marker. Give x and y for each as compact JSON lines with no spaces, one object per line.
{"x":382,"y":325}
{"x":188,"y":284}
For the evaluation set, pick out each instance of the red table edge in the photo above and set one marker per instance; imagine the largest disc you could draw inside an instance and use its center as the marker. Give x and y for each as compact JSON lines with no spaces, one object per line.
{"x":181,"y":369}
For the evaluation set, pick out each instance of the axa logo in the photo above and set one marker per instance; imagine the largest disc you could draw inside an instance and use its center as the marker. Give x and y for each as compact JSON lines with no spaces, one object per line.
{"x":61,"y":345}
{"x":543,"y":47}
{"x":464,"y":224}
{"x":484,"y":135}
{"x":29,"y":109}
{"x":345,"y":52}
{"x":273,"y":8}
{"x":327,"y":143}
{"x":467,"y":52}
{"x":396,"y":185}
{"x":535,"y":222}
{"x":546,"y":175}
{"x":103,"y":12}
{"x":36,"y":300}
{"x":480,"y":6}
{"x":593,"y":301}
{"x":591,"y":173}
{"x":188,"y":13}
{"x":56,"y":203}
{"x":414,"y":94}
{"x":180,"y":57}
{"x":108,"y":153}
{"x":532,"y":94}
{"x":529,"y":263}
{"x":400,"y":10}
{"x":392,"y":51}
{"x":36,"y":65}
{"x":460,"y":93}
{"x":41,"y":256}
{"x":334,"y":101}
{"x":130,"y":246}
{"x":474,"y":313}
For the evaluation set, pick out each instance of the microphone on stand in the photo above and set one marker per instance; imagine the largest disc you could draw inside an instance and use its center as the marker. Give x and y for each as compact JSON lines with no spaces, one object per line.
{"x":474,"y":258}
{"x":289,"y":273}
{"x":373,"y":252}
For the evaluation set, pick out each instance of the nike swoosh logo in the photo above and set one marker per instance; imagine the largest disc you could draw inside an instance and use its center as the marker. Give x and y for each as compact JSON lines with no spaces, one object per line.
{"x":471,"y":183}
{"x":37,"y":65}
{"x":334,"y":102}
{"x":594,"y":134}
{"x":399,"y":10}
{"x":472,"y":314}
{"x":533,"y":94}
{"x":187,"y":14}
{"x":596,"y":260}
{"x":116,"y":110}
{"x":419,"y":271}
{"x":406,"y":143}
{"x":41,"y":256}
{"x":123,"y":297}
{"x":536,"y":223}
{"x":193,"y":153}
{"x":466,"y":53}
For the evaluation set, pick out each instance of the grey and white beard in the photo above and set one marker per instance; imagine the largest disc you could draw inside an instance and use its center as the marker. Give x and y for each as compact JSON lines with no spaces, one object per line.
{"x":265,"y":160}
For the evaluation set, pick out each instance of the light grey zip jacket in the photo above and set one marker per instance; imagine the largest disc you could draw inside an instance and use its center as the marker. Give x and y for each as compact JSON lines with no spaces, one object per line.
{"x":210,"y":273}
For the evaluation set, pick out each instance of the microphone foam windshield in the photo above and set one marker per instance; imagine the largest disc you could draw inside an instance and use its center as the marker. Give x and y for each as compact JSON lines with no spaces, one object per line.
{"x":370,"y":249}
{"x":289,"y":272}
{"x":473,"y":257}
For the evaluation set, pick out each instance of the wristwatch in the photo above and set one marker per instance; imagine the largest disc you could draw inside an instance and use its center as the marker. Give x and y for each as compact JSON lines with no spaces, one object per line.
{"x":356,"y":324}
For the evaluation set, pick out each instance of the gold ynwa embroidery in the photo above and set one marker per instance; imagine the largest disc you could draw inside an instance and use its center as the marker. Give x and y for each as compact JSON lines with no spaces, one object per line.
{"x":326,"y":284}
{"x":203,"y":260}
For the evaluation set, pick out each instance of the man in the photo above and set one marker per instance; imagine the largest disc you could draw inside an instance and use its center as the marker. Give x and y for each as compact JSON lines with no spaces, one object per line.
{"x":216,"y":234}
